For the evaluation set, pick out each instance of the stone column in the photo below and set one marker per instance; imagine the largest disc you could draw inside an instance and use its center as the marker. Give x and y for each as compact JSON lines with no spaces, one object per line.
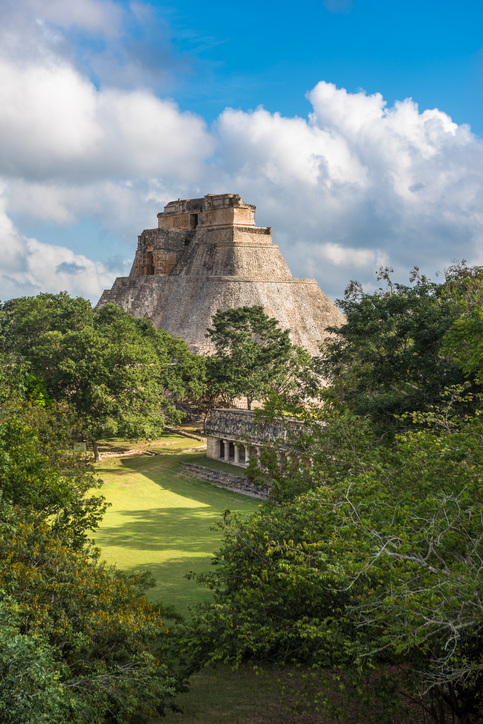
{"x":247,"y":454}
{"x":227,"y":451}
{"x":237,"y":454}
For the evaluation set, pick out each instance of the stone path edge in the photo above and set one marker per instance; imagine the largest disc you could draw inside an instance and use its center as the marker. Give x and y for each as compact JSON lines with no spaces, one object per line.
{"x":235,"y":483}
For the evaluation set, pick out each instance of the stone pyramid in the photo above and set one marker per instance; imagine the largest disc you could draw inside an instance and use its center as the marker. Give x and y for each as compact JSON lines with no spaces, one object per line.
{"x":207,"y":254}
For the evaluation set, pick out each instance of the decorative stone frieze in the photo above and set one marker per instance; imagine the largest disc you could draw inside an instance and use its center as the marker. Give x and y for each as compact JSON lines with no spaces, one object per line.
{"x":236,"y":435}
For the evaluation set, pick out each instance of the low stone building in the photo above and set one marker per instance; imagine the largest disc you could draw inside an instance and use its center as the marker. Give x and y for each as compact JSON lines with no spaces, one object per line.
{"x":207,"y":254}
{"x":236,"y":435}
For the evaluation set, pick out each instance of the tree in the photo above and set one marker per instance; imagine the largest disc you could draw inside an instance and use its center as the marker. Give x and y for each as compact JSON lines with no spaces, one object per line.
{"x":388,"y":358}
{"x":30,"y":691}
{"x":372,"y":573}
{"x":78,"y":640}
{"x":253,"y":355}
{"x":39,"y":468}
{"x":122,"y":375}
{"x":80,"y":643}
{"x":463,"y":342}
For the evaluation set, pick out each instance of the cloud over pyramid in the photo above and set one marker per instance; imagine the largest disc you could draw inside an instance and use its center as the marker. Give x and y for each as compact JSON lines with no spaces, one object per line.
{"x":207,"y":254}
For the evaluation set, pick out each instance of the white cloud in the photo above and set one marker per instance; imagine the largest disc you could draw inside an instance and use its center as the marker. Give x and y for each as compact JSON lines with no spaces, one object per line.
{"x":354,"y":185}
{"x":96,"y":16}
{"x":12,"y":245}
{"x":347,"y":256}
{"x":54,"y":122}
{"x":53,"y":268}
{"x":358,"y":184}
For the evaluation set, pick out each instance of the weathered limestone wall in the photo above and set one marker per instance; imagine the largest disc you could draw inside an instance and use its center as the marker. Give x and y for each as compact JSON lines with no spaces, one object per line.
{"x":158,"y":251}
{"x":207,"y":256}
{"x":235,"y":436}
{"x":235,"y":253}
{"x":241,"y":425}
{"x":211,"y":210}
{"x":212,"y":448}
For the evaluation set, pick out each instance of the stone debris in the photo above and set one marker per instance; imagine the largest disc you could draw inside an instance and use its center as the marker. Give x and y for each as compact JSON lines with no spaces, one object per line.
{"x":235,"y":483}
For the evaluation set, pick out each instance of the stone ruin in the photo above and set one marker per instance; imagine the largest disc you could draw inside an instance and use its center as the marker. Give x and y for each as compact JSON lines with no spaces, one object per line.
{"x":236,"y":435}
{"x":207,"y":254}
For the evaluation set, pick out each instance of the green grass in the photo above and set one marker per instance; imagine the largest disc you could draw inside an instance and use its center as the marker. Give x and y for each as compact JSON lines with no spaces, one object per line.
{"x":161,"y":517}
{"x":160,"y":521}
{"x":222,"y":696}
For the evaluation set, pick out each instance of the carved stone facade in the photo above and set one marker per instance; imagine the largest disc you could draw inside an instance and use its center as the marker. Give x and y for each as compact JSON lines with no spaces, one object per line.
{"x":207,"y":254}
{"x":235,"y":435}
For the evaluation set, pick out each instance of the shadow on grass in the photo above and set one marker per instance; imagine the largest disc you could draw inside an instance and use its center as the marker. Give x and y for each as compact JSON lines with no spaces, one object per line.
{"x":167,"y":472}
{"x":164,"y":520}
{"x":163,"y":529}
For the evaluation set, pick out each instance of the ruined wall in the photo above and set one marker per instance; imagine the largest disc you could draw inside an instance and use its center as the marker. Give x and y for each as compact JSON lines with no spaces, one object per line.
{"x":181,"y":276}
{"x":211,"y":210}
{"x":158,"y":251}
{"x":242,"y":425}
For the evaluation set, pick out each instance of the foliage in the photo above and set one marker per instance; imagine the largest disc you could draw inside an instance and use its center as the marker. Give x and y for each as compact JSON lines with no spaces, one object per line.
{"x":38,"y":466}
{"x":388,"y":358}
{"x":31,"y":691}
{"x":376,"y":567}
{"x":464,"y":340}
{"x":122,"y":375}
{"x":99,"y":640}
{"x":78,"y":640}
{"x":253,"y":355}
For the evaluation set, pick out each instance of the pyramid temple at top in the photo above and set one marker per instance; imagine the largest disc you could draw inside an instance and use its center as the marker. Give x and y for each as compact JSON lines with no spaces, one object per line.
{"x":207,"y":254}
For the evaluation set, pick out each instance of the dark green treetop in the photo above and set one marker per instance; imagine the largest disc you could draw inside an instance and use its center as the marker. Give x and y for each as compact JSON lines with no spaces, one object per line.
{"x":388,"y":358}
{"x":253,"y":355}
{"x":122,"y":375}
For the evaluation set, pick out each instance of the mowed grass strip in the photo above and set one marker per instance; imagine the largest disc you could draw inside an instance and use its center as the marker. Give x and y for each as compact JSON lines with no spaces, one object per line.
{"x":160,"y":517}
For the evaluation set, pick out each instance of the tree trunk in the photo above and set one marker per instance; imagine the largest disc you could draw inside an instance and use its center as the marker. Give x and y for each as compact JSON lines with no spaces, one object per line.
{"x":249,"y":403}
{"x":97,"y":457}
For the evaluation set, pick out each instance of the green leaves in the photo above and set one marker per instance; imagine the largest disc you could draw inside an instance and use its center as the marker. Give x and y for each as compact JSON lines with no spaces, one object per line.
{"x":253,"y":355}
{"x":369,"y":561}
{"x":78,"y":641}
{"x":389,"y":358}
{"x":123,"y":376}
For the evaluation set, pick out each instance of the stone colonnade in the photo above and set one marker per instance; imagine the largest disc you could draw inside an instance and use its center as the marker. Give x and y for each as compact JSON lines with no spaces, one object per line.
{"x":238,"y":453}
{"x":235,"y":452}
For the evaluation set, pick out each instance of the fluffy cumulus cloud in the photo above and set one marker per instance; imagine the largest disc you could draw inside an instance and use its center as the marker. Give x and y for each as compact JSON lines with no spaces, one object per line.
{"x":54,"y":122}
{"x":357,"y":184}
{"x":29,"y":267}
{"x":73,"y":150}
{"x":353,"y":186}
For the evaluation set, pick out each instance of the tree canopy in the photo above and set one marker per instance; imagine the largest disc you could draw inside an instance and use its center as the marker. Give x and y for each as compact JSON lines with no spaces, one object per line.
{"x":373,"y":571}
{"x":253,"y":355}
{"x":389,"y":357}
{"x":78,"y":640}
{"x":39,"y":468}
{"x":364,"y":568}
{"x":121,"y":374}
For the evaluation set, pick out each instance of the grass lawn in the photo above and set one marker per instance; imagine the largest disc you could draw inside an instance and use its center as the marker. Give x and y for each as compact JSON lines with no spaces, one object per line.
{"x":160,"y":521}
{"x":222,"y":696}
{"x":161,"y":517}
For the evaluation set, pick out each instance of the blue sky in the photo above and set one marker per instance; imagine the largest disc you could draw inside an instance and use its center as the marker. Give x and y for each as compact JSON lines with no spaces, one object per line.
{"x":109,"y":109}
{"x":270,"y":54}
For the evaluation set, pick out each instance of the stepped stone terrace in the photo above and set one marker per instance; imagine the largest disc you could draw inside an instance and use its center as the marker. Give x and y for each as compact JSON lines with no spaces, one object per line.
{"x":207,"y":254}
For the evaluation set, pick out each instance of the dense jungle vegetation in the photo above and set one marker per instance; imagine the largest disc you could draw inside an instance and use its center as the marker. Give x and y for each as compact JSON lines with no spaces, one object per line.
{"x":363,"y":572}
